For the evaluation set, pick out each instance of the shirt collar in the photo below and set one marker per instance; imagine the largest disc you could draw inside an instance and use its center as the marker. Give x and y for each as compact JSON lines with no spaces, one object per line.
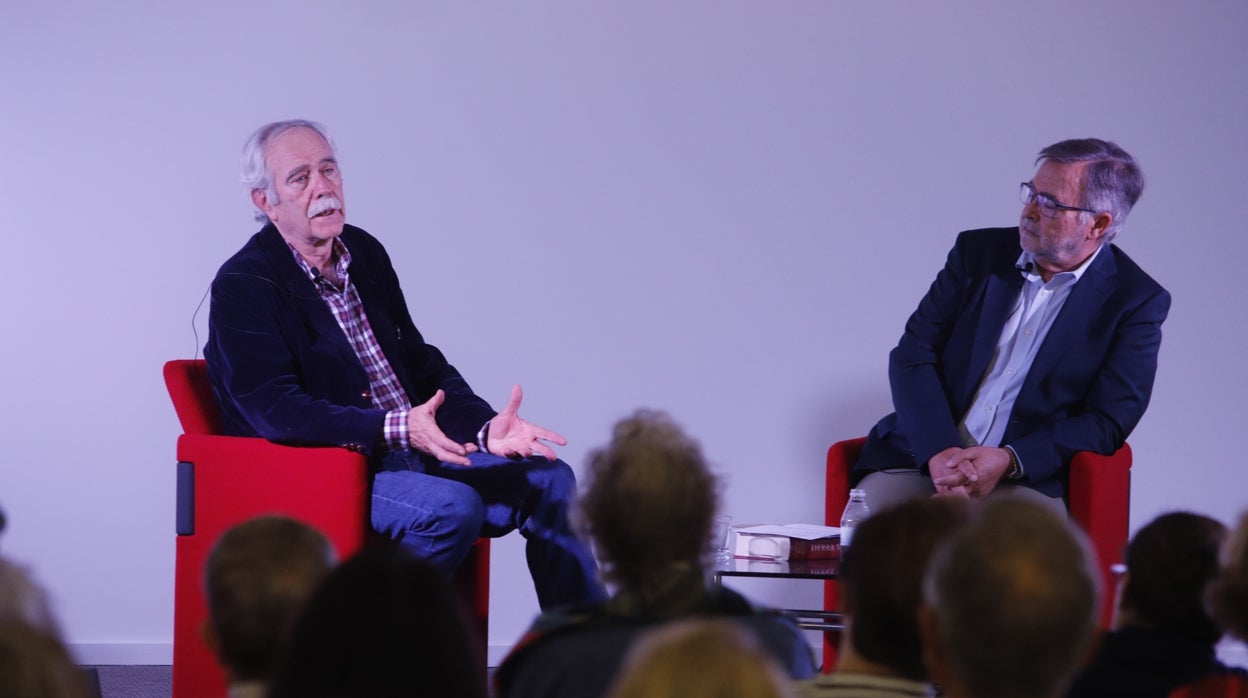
{"x":340,"y":253}
{"x":1026,"y":264}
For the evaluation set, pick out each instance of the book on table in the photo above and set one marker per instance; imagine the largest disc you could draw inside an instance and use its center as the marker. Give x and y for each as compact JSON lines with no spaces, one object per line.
{"x":790,"y":568}
{"x":788,"y":542}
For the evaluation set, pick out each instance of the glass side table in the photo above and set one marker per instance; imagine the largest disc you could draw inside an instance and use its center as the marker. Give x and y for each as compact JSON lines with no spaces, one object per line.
{"x":810,"y":619}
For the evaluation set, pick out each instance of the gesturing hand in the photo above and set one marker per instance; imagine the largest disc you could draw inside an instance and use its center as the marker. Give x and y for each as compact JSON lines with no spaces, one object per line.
{"x":512,"y":437}
{"x":424,"y":435}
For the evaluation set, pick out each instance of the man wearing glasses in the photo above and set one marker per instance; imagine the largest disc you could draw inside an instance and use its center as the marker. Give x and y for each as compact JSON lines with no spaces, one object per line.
{"x":1033,"y":343}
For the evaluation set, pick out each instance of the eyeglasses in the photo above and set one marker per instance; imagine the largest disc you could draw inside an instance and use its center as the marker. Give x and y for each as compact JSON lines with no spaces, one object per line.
{"x":1048,"y":205}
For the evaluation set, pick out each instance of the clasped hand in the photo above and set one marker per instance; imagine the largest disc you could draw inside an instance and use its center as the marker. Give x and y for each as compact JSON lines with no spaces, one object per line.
{"x":509,"y":435}
{"x":968,"y":472}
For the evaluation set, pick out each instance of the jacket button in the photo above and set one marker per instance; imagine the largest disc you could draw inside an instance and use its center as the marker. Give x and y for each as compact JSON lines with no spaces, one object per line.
{"x":366,"y":395}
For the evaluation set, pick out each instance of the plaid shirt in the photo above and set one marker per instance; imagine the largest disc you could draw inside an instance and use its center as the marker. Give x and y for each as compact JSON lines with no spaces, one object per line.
{"x":384,"y":389}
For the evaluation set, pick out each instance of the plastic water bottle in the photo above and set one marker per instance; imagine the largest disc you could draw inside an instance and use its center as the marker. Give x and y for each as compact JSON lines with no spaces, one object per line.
{"x":856,"y":511}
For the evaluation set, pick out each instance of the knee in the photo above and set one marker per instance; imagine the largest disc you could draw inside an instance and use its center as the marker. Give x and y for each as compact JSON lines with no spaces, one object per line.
{"x":463,"y":513}
{"x":556,"y":479}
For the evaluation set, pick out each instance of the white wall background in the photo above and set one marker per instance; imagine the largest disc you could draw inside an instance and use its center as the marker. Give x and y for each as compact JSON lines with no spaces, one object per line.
{"x":725,"y":209}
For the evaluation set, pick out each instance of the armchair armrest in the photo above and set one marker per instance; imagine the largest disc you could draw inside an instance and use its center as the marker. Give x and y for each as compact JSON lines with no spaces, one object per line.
{"x":1100,"y":501}
{"x":841,"y":458}
{"x":244,"y":477}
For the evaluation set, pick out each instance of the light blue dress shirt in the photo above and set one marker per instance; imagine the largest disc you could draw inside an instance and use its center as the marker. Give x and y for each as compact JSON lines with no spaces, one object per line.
{"x":1029,"y":321}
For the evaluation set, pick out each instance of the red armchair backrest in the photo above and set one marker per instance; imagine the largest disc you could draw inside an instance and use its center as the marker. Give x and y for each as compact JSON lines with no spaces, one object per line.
{"x":224,"y":480}
{"x":187,"y":381}
{"x":1099,"y":499}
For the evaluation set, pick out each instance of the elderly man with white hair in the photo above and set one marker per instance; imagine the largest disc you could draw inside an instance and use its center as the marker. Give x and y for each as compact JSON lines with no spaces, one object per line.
{"x":310,"y":342}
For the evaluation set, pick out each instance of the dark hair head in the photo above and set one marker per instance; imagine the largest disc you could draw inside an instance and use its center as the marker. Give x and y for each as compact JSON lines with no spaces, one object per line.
{"x":649,"y":502}
{"x":881,"y":579}
{"x":384,"y":623}
{"x":34,"y":663}
{"x":1014,"y":598}
{"x":1113,"y":181}
{"x":1170,"y":561}
{"x":257,"y":578}
{"x":1228,"y":593}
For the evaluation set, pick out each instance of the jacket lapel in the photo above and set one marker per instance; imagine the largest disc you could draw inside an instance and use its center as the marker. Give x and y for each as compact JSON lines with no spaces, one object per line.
{"x":302,"y":292}
{"x":999,"y":294}
{"x":1081,"y":307}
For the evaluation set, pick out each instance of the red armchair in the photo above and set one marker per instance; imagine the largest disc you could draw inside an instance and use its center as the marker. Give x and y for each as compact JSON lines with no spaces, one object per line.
{"x":1099,"y":499}
{"x":224,"y":480}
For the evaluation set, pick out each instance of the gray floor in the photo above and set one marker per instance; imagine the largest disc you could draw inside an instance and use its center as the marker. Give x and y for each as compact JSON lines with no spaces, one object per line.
{"x":135,"y":681}
{"x":138,"y":681}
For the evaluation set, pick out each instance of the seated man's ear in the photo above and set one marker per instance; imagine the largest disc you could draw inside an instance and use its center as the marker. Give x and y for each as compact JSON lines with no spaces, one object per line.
{"x":1100,"y":225}
{"x":261,"y":200}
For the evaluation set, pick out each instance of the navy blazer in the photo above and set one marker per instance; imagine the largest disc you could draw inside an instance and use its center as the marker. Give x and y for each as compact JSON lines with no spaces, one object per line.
{"x":282,"y":368}
{"x":1086,"y":390}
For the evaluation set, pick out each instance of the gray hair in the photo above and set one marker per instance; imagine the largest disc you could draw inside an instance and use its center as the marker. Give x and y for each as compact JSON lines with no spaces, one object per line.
{"x":649,"y":501}
{"x":1113,"y":183}
{"x":256,"y":173}
{"x":1014,"y":596}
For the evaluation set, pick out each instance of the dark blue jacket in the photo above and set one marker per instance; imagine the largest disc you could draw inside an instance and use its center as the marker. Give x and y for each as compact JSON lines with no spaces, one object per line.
{"x":281,"y":367}
{"x":1086,"y":390}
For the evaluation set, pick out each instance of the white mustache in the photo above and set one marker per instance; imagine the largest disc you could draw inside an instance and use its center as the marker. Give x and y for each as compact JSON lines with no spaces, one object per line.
{"x":320,"y":206}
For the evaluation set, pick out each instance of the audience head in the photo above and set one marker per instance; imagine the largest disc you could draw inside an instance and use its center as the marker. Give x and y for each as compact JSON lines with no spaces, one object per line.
{"x":649,"y":501}
{"x":699,"y":659}
{"x":1228,"y":593}
{"x":881,"y":580}
{"x":257,"y":578}
{"x":35,"y":664}
{"x":383,"y":623}
{"x":1010,"y":603}
{"x":1170,"y":561}
{"x":23,"y":599}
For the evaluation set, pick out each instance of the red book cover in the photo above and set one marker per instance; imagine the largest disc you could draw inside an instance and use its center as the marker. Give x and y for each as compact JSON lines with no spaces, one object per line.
{"x":815,"y":567}
{"x":818,"y":549}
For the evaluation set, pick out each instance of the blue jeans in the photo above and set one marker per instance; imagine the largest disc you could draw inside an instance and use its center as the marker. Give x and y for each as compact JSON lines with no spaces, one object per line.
{"x":439,"y":509}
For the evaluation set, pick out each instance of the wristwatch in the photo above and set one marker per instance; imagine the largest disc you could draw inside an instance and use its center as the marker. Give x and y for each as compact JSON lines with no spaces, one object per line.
{"x":1015,"y":471}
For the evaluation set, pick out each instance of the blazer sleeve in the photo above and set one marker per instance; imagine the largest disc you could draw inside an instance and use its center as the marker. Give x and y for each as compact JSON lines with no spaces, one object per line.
{"x":1115,"y":399}
{"x":924,"y":413}
{"x":261,"y":352}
